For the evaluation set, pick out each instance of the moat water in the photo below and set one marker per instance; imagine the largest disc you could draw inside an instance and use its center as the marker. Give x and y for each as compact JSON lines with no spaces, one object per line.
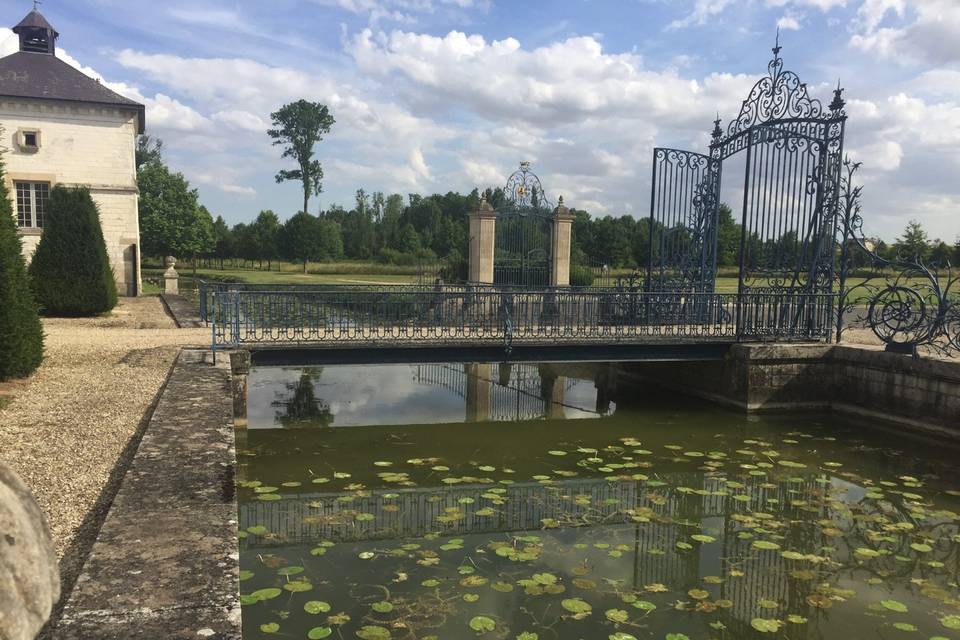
{"x":545,"y":501}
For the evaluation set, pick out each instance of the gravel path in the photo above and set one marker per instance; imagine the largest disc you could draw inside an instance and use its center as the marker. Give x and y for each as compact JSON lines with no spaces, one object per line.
{"x":67,"y":426}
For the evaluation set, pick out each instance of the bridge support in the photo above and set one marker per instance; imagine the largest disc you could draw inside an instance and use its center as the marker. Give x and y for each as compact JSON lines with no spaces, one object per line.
{"x":483,"y":223}
{"x":562,"y":243}
{"x":479,"y":391}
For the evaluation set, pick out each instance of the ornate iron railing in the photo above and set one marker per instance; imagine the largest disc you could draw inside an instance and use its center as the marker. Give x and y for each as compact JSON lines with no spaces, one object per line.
{"x":908,"y":304}
{"x":352,"y":316}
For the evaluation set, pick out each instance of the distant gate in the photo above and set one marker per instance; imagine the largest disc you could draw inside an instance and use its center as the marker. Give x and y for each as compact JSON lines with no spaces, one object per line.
{"x":524,"y":233}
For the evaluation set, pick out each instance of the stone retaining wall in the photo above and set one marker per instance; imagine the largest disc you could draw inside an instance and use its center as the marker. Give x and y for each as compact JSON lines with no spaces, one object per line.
{"x":921,"y":393}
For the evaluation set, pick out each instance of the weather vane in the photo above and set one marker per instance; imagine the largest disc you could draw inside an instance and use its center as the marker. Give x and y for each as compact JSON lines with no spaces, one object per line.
{"x":35,"y":3}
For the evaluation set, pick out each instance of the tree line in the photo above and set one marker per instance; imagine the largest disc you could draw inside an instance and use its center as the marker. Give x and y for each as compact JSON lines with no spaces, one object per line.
{"x":402,"y":230}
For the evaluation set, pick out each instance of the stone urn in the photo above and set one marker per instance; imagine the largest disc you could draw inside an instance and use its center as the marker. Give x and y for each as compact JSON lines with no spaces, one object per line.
{"x":171,"y":279}
{"x":29,"y":575}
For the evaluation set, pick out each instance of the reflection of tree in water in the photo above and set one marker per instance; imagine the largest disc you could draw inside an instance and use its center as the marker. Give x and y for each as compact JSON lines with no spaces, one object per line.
{"x":298,"y":405}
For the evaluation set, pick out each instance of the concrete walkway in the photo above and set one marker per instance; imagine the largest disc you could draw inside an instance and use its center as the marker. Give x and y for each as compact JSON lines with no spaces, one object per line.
{"x":166,"y":563}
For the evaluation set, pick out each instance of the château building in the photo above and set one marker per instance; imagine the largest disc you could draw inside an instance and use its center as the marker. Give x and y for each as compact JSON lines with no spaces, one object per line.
{"x":61,"y":127}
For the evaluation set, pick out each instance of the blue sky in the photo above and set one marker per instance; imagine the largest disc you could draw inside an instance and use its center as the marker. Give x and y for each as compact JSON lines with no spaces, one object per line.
{"x":438,"y":95}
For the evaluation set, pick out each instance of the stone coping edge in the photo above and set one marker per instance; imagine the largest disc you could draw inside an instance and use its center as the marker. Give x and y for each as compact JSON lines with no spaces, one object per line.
{"x":166,"y":560}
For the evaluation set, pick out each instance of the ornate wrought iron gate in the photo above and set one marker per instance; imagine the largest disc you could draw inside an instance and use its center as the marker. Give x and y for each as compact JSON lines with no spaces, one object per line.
{"x":524,"y":233}
{"x":793,"y":148}
{"x":683,"y":221}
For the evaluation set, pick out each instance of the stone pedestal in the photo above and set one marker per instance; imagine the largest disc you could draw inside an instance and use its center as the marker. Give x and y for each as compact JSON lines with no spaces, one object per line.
{"x":562,"y":243}
{"x":171,"y":279}
{"x":483,"y":223}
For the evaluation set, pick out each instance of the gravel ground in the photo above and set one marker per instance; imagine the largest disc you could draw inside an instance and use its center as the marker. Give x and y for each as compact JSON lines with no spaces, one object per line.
{"x":67,"y":426}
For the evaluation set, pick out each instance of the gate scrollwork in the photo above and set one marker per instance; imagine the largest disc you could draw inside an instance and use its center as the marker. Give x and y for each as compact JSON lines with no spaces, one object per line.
{"x":906,"y":303}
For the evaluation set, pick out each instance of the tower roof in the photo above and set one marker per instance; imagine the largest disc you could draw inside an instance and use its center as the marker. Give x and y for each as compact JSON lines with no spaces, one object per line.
{"x":34,"y":20}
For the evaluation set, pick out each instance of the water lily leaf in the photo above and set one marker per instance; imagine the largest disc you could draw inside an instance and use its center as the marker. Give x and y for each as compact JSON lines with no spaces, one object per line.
{"x":289,"y":571}
{"x":921,"y":547}
{"x":698,"y":594}
{"x":617,"y":615}
{"x":620,"y":635}
{"x":765,"y":544}
{"x":699,"y":537}
{"x":904,"y":626}
{"x":373,"y":632}
{"x":266,"y":594}
{"x":765,"y":625}
{"x":382,"y":607}
{"x":576,"y":605}
{"x":950,"y":622}
{"x":430,"y":582}
{"x":544,"y":578}
{"x":318,"y":633}
{"x":470,"y":597}
{"x":644,"y":605}
{"x":482,"y":624}
{"x":795,"y":619}
{"x":270,"y":627}
{"x":298,"y":586}
{"x":676,"y":636}
{"x":245,"y":574}
{"x":258,"y":530}
{"x":502,"y":587}
{"x":894,"y":605}
{"x":527,"y":635}
{"x":316,"y":606}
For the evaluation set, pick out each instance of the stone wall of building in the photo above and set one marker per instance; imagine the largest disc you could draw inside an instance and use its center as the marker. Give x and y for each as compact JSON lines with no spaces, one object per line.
{"x":923,"y":393}
{"x":81,"y":145}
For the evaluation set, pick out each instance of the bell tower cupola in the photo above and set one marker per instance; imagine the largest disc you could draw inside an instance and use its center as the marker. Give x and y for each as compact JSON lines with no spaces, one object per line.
{"x":36,"y":34}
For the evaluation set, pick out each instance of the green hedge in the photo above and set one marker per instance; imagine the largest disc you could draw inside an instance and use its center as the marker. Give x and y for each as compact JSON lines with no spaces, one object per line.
{"x":581,"y":276}
{"x":21,"y":336}
{"x":70,"y":270}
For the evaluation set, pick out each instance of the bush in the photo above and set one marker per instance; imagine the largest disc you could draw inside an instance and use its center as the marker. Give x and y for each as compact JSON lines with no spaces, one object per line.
{"x":21,"y":336}
{"x":70,"y":271}
{"x":581,"y":276}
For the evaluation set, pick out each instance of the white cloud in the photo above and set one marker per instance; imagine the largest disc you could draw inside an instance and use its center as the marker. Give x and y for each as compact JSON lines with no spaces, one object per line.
{"x":927,"y":30}
{"x":703,"y":10}
{"x":789,"y":23}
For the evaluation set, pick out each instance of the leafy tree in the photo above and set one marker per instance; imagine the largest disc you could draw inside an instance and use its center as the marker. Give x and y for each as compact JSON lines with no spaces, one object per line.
{"x":305,"y":238}
{"x":914,"y":242}
{"x":728,"y":238}
{"x":149,"y":149}
{"x":941,"y":254}
{"x":409,"y":241}
{"x":265,"y":232}
{"x":223,"y":243}
{"x":21,"y":335}
{"x":70,"y":271}
{"x":171,"y":220}
{"x":298,"y":127}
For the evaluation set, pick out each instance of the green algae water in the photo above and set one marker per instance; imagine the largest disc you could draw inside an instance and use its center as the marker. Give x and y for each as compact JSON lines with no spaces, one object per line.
{"x":554,"y":502}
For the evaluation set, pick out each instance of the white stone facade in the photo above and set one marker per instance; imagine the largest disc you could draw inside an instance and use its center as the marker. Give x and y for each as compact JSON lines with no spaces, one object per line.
{"x":86,"y":145}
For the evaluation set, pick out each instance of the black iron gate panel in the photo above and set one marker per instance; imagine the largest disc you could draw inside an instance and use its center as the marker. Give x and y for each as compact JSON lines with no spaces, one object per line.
{"x":683,"y":221}
{"x":522,"y":249}
{"x":523,"y":243}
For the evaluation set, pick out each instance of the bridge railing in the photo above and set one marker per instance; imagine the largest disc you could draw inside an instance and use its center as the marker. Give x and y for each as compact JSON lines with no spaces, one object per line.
{"x":358,"y":316}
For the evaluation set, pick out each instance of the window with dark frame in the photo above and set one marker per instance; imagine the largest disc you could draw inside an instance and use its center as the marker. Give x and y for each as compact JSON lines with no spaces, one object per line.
{"x":31,"y":203}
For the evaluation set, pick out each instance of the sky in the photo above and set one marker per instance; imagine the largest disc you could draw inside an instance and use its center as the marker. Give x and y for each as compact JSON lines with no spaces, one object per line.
{"x":431,"y":96}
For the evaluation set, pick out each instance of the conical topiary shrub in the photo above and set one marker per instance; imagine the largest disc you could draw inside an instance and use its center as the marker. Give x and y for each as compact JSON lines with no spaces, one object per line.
{"x":21,"y":336}
{"x":70,"y":271}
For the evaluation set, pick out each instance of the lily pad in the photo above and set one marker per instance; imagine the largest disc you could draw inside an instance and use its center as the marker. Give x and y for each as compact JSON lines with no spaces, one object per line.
{"x":482,"y":624}
{"x":316,"y":606}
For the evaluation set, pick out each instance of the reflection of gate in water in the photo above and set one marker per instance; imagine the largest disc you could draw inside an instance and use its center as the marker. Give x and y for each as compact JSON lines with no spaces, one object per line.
{"x":510,"y":391}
